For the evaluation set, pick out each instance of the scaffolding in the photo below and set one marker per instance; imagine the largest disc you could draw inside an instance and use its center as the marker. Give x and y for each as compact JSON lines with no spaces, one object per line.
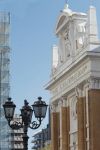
{"x":4,"y":78}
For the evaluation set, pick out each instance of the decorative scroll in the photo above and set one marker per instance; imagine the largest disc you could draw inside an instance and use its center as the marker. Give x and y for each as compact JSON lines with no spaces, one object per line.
{"x":15,"y":125}
{"x":35,"y":125}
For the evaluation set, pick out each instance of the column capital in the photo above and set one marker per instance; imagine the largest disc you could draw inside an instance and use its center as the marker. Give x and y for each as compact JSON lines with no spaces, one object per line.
{"x":63,"y":101}
{"x":53,"y":108}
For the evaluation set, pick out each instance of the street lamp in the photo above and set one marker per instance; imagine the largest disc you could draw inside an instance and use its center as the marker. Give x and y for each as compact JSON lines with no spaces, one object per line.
{"x":39,"y":108}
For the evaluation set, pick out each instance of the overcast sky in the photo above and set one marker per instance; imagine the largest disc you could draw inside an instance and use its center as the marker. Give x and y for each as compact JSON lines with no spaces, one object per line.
{"x":31,"y":38}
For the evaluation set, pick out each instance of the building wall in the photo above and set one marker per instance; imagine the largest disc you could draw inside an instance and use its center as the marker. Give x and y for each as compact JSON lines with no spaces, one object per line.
{"x":75,"y":82}
{"x":4,"y":78}
{"x":94,"y":118}
{"x":17,"y":136}
{"x":42,"y":139}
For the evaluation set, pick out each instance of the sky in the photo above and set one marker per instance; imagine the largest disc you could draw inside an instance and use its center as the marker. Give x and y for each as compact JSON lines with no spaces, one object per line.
{"x":32,"y":35}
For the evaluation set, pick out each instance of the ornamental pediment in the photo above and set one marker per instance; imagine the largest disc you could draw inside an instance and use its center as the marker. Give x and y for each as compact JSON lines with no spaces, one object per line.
{"x":62,"y":20}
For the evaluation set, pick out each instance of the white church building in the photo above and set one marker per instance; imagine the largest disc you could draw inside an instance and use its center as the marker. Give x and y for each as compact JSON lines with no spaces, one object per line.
{"x":75,"y":82}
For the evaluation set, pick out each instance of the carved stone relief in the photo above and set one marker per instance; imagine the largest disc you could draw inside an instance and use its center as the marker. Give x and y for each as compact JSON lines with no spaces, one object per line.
{"x":80,"y":35}
{"x":74,"y":108}
{"x":94,"y":83}
{"x":74,"y":141}
{"x":53,"y":108}
{"x":67,"y":43}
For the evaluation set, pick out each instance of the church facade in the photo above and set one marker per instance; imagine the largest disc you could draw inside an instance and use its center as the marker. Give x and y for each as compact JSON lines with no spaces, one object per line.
{"x":75,"y":82}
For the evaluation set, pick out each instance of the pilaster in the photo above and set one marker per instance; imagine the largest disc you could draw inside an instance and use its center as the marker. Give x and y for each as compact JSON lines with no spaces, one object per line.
{"x":54,"y":131}
{"x":64,"y":129}
{"x":81,"y":114}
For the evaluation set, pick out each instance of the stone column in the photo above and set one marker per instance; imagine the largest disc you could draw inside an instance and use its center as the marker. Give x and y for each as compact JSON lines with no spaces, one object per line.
{"x":81,"y":117}
{"x":55,"y":131}
{"x":94,"y":119}
{"x":64,"y":128}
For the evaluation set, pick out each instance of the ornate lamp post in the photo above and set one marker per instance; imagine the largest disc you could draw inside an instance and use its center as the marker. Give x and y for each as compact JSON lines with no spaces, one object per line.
{"x":39,"y":108}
